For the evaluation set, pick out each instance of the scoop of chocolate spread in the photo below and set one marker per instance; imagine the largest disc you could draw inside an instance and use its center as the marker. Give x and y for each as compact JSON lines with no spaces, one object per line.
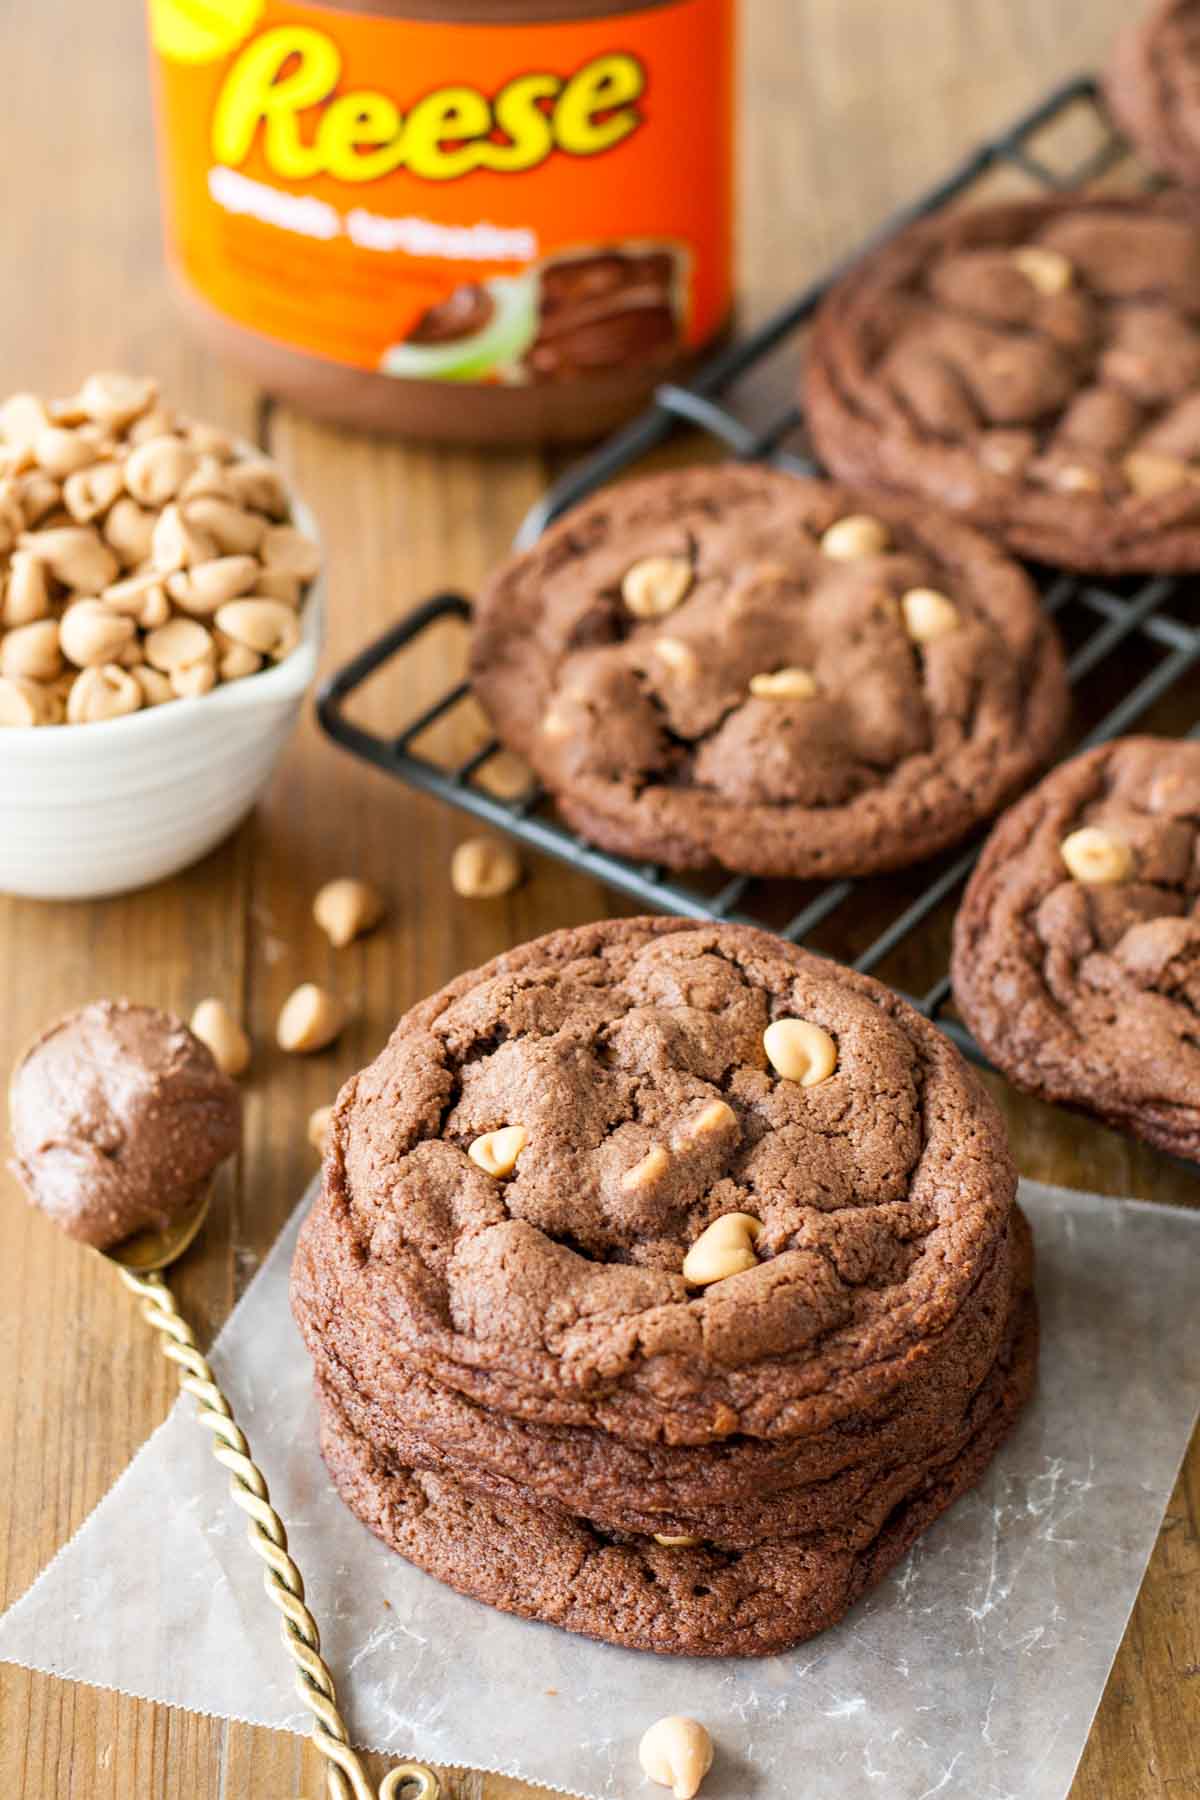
{"x":119,"y":1117}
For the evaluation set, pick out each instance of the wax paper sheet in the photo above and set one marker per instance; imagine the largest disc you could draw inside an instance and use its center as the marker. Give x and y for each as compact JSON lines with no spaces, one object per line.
{"x":973,"y":1671}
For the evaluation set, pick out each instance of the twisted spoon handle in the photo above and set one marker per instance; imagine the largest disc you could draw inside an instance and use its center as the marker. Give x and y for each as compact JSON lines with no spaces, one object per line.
{"x":346,"y":1777}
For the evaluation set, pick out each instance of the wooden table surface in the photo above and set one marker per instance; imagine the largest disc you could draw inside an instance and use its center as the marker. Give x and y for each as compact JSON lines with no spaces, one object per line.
{"x":849,"y":105}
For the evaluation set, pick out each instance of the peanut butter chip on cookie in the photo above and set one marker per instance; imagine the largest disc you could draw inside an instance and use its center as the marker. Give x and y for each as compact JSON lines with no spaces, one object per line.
{"x":1096,"y":857}
{"x":1075,"y":479}
{"x":496,"y":1152}
{"x":1049,"y":271}
{"x":716,"y":1116}
{"x":928,"y":615}
{"x":676,"y":654}
{"x":725,"y":1248}
{"x":858,"y":534}
{"x":652,"y":1167}
{"x":800,"y":1051}
{"x":675,"y":1543}
{"x":656,"y":585}
{"x":1148,"y":473}
{"x":784,"y":684}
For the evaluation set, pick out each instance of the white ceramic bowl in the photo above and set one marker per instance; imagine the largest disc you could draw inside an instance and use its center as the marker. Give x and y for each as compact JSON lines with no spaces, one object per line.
{"x":89,"y":810}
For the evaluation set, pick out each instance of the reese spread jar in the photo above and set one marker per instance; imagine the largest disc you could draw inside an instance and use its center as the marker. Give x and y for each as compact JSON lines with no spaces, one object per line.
{"x":484,"y":220}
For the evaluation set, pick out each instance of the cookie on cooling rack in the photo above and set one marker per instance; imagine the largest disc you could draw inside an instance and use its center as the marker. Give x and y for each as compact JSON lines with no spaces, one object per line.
{"x":1033,"y":366}
{"x":1153,"y":86}
{"x":1077,"y":946}
{"x":740,"y":667}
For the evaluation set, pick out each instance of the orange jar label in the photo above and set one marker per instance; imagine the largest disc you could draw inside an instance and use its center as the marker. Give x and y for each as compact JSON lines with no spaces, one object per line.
{"x":460,"y":202}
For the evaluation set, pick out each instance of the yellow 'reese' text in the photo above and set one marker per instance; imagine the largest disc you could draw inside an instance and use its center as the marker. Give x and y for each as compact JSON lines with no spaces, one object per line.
{"x":363,"y":135}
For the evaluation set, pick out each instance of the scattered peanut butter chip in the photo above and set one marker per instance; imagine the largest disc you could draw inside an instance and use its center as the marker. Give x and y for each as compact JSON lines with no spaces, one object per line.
{"x":319,"y":1123}
{"x":725,"y":1248}
{"x":1096,"y":857}
{"x":784,"y":684}
{"x":483,"y":868}
{"x":800,"y":1051}
{"x":676,"y":1753}
{"x":1049,"y":271}
{"x":496,"y":1152}
{"x":858,"y":534}
{"x":651,"y":1168}
{"x":346,"y":909}
{"x":214,"y":1024}
{"x":675,"y":1543}
{"x":928,"y":615}
{"x":310,"y":1020}
{"x":656,"y":585}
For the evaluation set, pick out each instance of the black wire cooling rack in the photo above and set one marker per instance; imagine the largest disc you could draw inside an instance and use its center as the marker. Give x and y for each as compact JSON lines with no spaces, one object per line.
{"x":1131,"y":644}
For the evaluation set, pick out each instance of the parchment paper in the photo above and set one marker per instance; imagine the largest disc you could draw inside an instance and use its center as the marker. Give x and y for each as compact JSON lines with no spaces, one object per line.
{"x":974,"y":1671}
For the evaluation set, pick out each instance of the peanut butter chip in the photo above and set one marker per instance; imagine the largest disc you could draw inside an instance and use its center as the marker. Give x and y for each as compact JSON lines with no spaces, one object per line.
{"x":22,"y":702}
{"x":677,"y":655}
{"x":1075,"y":479}
{"x":108,"y":692}
{"x":346,"y":909}
{"x":483,"y":868}
{"x":656,"y":585}
{"x":1049,"y":271}
{"x":1096,"y":857}
{"x":675,"y":1543}
{"x":216,"y":1026}
{"x":310,"y":1019}
{"x":652,"y":1167}
{"x":725,"y":1248}
{"x":928,"y":615}
{"x":496,"y":1152}
{"x":800,"y":1051}
{"x":784,"y":684}
{"x":319,"y":1123}
{"x":858,"y":534}
{"x":676,"y":1753}
{"x":1149,"y":474}
{"x":716,"y":1116}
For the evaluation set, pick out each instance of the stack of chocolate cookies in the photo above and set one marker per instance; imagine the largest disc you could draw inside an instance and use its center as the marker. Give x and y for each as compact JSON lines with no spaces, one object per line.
{"x":665,"y":1283}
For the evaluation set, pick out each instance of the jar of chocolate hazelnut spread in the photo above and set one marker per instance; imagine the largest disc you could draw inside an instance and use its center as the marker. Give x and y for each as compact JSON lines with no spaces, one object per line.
{"x":489,"y":221}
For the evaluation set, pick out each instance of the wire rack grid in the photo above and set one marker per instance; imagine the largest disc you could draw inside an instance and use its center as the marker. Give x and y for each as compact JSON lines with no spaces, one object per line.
{"x":1131,"y":644}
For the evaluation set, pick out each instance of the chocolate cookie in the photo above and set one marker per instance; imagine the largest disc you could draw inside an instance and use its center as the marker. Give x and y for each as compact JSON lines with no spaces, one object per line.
{"x":1034,"y":366}
{"x":736,"y":666}
{"x":713,"y":1490}
{"x":1153,"y":86}
{"x":627,"y":1061}
{"x":681,"y":1600}
{"x":119,"y":1118}
{"x":1077,"y":948}
{"x":882,"y":1472}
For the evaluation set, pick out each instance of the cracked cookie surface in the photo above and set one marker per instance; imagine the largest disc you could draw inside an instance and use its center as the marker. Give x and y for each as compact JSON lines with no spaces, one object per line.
{"x":700,"y":674}
{"x":1087,"y":991}
{"x":555,"y":1293}
{"x":1033,"y":366}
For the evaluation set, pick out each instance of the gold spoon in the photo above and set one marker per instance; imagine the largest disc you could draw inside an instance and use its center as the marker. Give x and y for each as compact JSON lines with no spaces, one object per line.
{"x":139,"y":1261}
